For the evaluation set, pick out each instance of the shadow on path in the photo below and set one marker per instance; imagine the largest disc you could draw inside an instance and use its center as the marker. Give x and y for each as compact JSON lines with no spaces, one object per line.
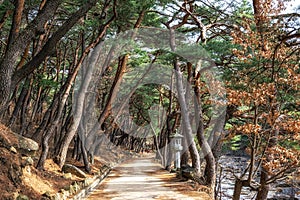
{"x":141,"y":178}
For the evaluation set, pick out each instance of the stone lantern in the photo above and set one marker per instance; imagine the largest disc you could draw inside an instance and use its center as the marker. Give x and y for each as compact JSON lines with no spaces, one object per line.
{"x":177,"y":147}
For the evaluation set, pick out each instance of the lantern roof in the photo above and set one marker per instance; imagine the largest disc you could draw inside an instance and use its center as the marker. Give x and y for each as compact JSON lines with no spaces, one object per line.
{"x":176,"y":135}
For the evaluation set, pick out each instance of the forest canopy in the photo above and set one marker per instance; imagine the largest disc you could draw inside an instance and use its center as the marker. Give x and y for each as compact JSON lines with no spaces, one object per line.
{"x":218,"y":72}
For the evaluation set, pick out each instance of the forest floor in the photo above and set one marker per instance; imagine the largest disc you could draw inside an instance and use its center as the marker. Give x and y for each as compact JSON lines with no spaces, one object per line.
{"x":143,"y":178}
{"x":139,"y":177}
{"x":17,"y":178}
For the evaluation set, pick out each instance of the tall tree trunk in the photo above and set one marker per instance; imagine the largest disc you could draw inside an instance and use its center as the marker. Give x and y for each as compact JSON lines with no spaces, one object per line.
{"x":264,"y":175}
{"x":210,"y":169}
{"x":25,"y":108}
{"x":78,"y":110}
{"x":88,"y":64}
{"x":17,"y":47}
{"x":264,"y":186}
{"x":4,"y":17}
{"x":82,"y":90}
{"x":80,"y":101}
{"x":84,"y":153}
{"x":19,"y":103}
{"x":50,"y":44}
{"x":119,"y":74}
{"x":61,"y":98}
{"x":17,"y":19}
{"x":185,"y":156}
{"x":237,"y":189}
{"x":112,"y":93}
{"x":188,"y":132}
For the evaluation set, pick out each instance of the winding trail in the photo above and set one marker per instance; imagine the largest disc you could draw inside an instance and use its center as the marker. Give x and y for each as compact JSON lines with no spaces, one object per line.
{"x":142,"y":178}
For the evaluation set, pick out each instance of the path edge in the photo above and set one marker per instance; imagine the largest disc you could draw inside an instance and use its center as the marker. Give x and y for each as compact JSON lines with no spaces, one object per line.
{"x":84,"y":192}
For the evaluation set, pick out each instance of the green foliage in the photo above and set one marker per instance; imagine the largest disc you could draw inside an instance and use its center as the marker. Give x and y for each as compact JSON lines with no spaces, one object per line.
{"x":141,"y":101}
{"x":290,"y":144}
{"x":128,"y":12}
{"x":4,"y":6}
{"x":228,"y":126}
{"x":243,"y":10}
{"x":44,"y":81}
{"x":238,"y":142}
{"x":139,"y":57}
{"x":152,"y":19}
{"x":220,"y":50}
{"x":235,"y":142}
{"x":219,"y":45}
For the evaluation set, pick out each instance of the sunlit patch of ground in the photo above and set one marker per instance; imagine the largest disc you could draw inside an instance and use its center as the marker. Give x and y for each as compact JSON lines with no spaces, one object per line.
{"x":36,"y":182}
{"x":189,"y":188}
{"x":142,"y":178}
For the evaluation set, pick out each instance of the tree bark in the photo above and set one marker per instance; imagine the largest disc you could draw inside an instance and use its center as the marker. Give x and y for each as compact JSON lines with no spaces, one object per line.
{"x":237,"y":189}
{"x":264,"y":186}
{"x":210,"y":169}
{"x":19,"y":103}
{"x":79,"y":104}
{"x":17,"y":19}
{"x":188,"y":132}
{"x":61,"y":98}
{"x":112,"y":93}
{"x":50,"y":44}
{"x":4,"y":17}
{"x":17,"y":47}
{"x":86,"y":162}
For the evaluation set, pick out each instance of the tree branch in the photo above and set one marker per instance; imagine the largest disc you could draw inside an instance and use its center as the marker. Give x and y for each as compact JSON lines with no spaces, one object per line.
{"x":51,"y":43}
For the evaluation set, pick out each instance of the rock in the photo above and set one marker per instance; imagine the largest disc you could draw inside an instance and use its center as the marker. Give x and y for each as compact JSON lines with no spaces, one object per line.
{"x":13,"y":149}
{"x":187,"y":172}
{"x":27,"y":161}
{"x":22,"y":144}
{"x":22,"y":197}
{"x":68,"y":168}
{"x":72,"y":189}
{"x":75,"y":187}
{"x":88,"y":181}
{"x":65,"y":194}
{"x":57,"y":196}
{"x":46,"y":195}
{"x":26,"y":145}
{"x":67,"y":176}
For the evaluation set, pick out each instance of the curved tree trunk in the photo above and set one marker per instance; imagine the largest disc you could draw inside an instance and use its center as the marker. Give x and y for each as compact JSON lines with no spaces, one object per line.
{"x":264,"y":186}
{"x":19,"y":103}
{"x":50,"y":44}
{"x":210,"y":169}
{"x":188,"y":132}
{"x":17,"y":19}
{"x":17,"y":47}
{"x":88,"y":64}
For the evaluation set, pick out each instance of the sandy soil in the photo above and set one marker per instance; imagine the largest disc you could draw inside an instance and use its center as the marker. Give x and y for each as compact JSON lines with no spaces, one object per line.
{"x":143,"y":178}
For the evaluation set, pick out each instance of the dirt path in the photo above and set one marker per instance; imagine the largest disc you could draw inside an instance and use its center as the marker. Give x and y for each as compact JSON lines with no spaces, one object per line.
{"x":142,"y":178}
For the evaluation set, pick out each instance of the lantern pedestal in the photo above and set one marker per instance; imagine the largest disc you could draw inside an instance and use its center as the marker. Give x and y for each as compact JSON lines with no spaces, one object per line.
{"x":177,"y":148}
